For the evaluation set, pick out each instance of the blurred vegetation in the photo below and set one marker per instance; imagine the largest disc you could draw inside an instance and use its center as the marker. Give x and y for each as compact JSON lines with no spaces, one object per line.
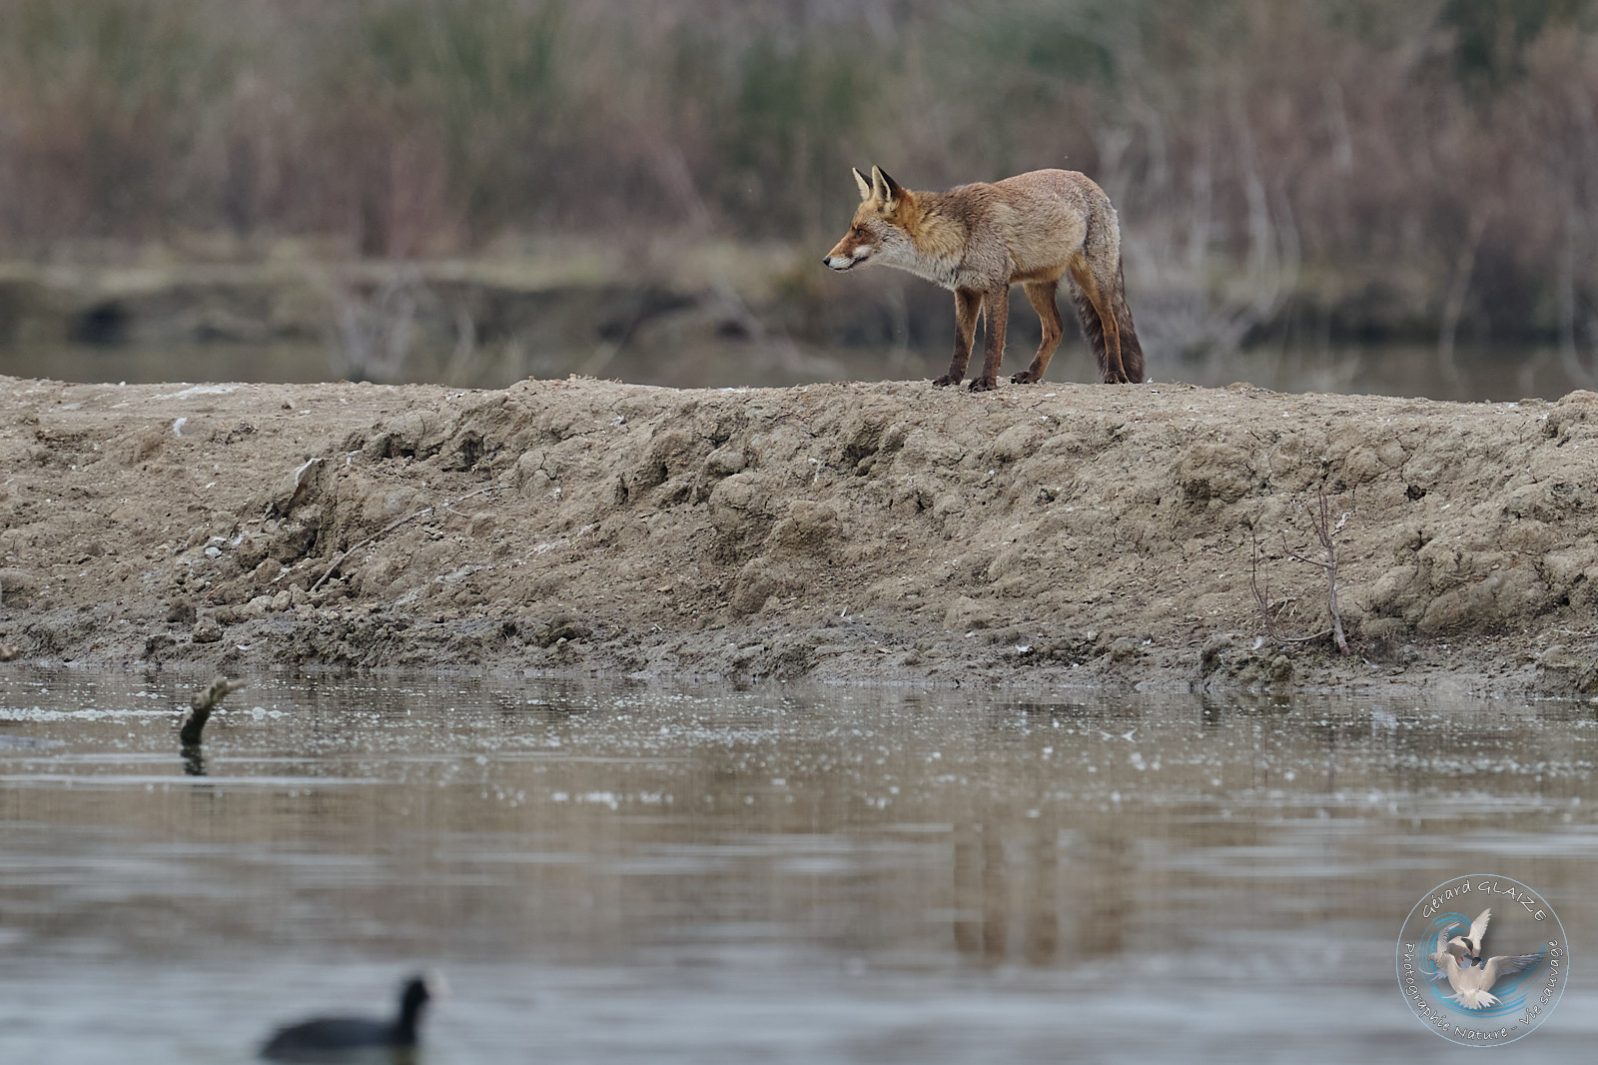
{"x":1442,"y":153}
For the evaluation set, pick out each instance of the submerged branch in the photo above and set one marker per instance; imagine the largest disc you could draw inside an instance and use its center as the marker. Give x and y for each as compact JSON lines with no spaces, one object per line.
{"x":201,"y":703}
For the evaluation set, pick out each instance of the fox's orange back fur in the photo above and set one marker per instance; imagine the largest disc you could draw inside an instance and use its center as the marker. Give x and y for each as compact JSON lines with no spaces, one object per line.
{"x":1034,"y":229}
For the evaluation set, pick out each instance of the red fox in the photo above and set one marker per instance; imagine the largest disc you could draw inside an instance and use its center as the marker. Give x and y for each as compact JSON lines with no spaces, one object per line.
{"x":980,"y":239}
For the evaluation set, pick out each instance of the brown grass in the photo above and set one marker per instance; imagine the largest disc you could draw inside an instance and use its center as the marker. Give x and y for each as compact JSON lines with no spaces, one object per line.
{"x":1446,"y":150}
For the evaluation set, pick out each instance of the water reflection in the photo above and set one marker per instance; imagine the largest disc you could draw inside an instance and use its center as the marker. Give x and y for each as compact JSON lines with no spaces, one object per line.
{"x":785,"y":874}
{"x":1472,"y":374}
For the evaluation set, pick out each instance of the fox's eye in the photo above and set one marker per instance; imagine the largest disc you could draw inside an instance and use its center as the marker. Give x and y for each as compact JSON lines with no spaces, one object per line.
{"x":858,"y":231}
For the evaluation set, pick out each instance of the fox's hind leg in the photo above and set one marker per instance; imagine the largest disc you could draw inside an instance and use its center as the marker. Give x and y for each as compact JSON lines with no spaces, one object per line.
{"x":967,"y":308}
{"x":1102,"y":330}
{"x":1099,"y":286}
{"x":1041,"y":295}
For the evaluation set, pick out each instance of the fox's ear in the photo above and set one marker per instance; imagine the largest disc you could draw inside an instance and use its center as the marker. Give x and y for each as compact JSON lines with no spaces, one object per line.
{"x":884,"y":187}
{"x":864,"y":185}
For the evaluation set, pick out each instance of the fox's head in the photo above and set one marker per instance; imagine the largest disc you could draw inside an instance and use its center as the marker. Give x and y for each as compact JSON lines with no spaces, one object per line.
{"x":878,"y":229}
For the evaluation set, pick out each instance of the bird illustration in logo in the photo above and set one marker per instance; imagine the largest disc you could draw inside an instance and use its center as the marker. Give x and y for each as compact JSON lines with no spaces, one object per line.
{"x":1460,"y":962}
{"x":1471,"y":942}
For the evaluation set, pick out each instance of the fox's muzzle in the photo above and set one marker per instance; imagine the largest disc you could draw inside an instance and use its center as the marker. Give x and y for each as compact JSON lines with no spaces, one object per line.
{"x":846,"y":262}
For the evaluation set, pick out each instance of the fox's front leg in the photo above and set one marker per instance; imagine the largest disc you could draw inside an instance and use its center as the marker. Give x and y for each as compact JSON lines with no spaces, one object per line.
{"x":996,"y":307}
{"x":967,"y":308}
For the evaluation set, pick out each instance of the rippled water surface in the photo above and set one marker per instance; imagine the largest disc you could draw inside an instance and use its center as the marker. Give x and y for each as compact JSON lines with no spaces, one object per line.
{"x":633,"y":874}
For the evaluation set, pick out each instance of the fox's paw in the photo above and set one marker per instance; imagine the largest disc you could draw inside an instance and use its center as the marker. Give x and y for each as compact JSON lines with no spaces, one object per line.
{"x":983,"y":384}
{"x":1026,"y":377}
{"x":945,"y":381}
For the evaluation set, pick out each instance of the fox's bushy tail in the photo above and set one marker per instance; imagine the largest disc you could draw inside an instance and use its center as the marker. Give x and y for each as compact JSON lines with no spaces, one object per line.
{"x":1114,"y":342}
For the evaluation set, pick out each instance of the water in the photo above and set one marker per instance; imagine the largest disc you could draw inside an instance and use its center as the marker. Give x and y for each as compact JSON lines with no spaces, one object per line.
{"x":1475,"y":373}
{"x":630,"y":874}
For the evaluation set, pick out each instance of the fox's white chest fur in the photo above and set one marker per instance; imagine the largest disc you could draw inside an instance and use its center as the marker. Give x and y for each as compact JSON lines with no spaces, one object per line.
{"x":947,"y":271}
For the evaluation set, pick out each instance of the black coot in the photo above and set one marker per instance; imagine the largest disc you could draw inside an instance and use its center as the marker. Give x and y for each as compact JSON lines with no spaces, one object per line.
{"x":332,"y":1037}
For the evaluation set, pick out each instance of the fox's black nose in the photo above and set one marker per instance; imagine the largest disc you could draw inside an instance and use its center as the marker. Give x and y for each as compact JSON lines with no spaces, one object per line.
{"x":826,"y":260}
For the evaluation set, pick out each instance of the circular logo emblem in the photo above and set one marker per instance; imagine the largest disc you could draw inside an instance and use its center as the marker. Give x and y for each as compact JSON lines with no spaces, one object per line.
{"x":1482,"y":959}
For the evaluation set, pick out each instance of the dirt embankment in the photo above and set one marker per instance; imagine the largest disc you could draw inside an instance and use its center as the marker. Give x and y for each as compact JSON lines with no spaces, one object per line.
{"x":1038,"y":535}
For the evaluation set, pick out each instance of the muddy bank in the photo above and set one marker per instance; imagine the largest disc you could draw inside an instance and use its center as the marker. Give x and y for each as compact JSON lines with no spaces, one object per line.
{"x":1062,"y":534}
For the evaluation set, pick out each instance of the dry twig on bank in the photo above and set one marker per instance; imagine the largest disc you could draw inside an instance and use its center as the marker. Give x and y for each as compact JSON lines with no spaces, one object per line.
{"x":1268,"y":609}
{"x":405,"y":519}
{"x":1326,"y":532}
